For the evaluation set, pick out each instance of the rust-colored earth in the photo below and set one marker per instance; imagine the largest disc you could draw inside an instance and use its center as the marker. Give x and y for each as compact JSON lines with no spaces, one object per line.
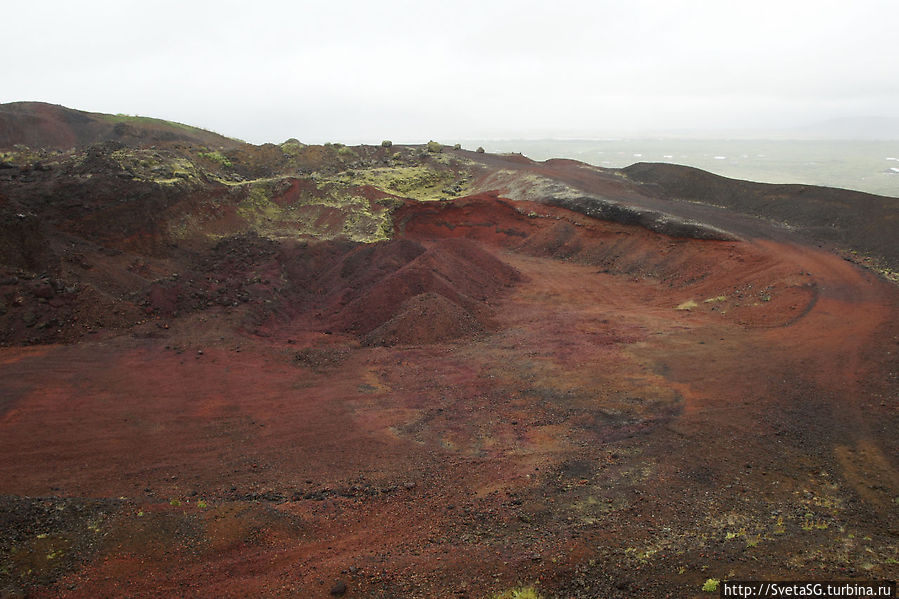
{"x":506,"y":393}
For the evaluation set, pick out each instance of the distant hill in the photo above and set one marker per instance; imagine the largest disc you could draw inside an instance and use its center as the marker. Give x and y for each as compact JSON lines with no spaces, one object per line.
{"x":853,"y":219}
{"x":49,"y":126}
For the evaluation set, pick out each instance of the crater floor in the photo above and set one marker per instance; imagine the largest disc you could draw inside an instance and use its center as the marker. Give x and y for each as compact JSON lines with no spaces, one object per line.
{"x":625,"y":414}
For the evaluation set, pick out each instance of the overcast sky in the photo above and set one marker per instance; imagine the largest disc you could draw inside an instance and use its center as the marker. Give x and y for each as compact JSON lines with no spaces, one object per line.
{"x":357,"y":71}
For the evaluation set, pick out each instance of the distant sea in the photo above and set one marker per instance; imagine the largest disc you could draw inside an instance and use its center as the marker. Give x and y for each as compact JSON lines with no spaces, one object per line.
{"x":871,"y":166}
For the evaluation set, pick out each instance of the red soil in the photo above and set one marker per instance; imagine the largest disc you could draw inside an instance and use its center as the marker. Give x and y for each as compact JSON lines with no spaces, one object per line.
{"x":485,"y":218}
{"x":362,"y":289}
{"x":591,"y":438}
{"x":425,"y":318}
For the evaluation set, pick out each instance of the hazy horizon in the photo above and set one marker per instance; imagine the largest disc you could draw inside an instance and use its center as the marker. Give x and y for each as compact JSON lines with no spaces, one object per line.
{"x":364,"y":71}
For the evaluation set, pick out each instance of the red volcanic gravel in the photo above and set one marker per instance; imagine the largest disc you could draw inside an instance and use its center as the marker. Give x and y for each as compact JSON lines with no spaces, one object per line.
{"x":506,"y":394}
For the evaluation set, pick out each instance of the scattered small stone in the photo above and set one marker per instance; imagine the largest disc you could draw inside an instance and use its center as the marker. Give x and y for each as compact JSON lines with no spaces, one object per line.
{"x":339,"y":588}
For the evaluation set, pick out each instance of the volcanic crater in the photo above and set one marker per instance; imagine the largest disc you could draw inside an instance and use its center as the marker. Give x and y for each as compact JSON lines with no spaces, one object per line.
{"x":203,"y":395}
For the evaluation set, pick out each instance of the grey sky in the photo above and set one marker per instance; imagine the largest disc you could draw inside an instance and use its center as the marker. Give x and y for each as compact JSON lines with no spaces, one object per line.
{"x":409,"y":71}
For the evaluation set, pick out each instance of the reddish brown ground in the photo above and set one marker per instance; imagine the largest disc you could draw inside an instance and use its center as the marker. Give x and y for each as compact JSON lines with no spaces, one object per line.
{"x":568,"y":427}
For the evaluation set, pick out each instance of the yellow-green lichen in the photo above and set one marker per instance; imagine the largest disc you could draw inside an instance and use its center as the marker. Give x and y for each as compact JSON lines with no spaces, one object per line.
{"x":687,"y":305}
{"x":519,"y":593}
{"x":216,"y":157}
{"x":257,"y":206}
{"x":333,"y":212}
{"x":416,"y":182}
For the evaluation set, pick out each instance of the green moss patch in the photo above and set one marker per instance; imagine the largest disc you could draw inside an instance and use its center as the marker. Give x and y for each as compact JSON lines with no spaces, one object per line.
{"x":416,"y":182}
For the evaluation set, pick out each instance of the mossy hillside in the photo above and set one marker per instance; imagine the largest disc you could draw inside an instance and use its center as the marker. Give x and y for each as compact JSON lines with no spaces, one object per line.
{"x":292,"y":147}
{"x":404,"y":171}
{"x":336,"y":213}
{"x":257,"y":205}
{"x":332,"y":158}
{"x":366,"y":225}
{"x":333,"y":208}
{"x":415,"y":182}
{"x":349,"y":164}
{"x":159,"y":166}
{"x":152,"y":122}
{"x":23,"y":155}
{"x":216,"y":156}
